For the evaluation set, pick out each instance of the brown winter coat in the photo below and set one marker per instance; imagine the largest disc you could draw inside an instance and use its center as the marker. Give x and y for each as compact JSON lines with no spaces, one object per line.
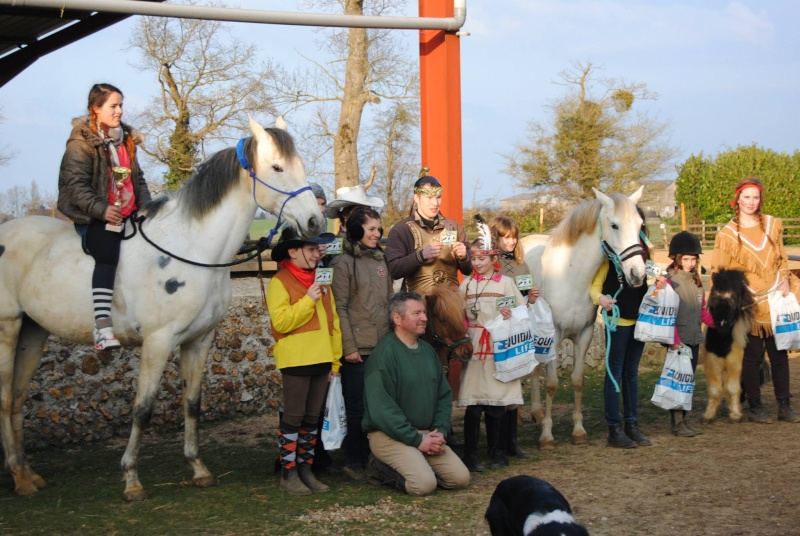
{"x":83,"y":178}
{"x":362,"y":287}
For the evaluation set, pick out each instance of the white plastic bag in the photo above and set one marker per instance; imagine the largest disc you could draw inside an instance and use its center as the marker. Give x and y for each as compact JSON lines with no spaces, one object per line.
{"x":513,"y":345}
{"x":334,"y":425}
{"x":657,"y":316}
{"x":784,"y":312}
{"x":541,"y":318}
{"x":675,"y":387}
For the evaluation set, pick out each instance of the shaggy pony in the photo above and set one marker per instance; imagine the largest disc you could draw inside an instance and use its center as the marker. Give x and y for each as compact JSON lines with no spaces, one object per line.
{"x":731,"y":305}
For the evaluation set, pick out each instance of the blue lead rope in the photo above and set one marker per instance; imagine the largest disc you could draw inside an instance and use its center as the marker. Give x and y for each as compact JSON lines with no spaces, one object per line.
{"x":612,"y":323}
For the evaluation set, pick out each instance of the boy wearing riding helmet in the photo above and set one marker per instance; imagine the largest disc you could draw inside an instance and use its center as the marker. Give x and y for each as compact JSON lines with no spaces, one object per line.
{"x":683,"y":276}
{"x":308,"y":350}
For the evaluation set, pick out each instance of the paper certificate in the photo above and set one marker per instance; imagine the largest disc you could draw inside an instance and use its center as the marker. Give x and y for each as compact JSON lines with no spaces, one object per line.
{"x":448,"y":238}
{"x":525,"y":282}
{"x":323,"y":276}
{"x":334,"y":248}
{"x":506,"y":302}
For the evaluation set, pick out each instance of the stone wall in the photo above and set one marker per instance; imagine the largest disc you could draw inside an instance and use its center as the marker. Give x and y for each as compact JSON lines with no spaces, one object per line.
{"x":79,"y":394}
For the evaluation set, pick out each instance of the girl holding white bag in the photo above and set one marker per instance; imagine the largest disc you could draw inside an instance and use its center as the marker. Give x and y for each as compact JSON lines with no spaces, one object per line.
{"x":682,"y":275}
{"x":505,"y":234}
{"x":480,"y":392}
{"x":753,"y":242}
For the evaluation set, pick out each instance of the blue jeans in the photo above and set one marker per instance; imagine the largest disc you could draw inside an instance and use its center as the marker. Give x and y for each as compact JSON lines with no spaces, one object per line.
{"x":623,"y":360}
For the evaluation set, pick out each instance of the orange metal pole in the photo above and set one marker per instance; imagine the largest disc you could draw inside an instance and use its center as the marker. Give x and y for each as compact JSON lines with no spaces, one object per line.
{"x":440,"y":106}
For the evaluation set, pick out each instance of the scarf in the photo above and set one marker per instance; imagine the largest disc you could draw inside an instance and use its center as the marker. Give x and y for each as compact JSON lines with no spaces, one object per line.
{"x":112,"y":138}
{"x":305,"y":277}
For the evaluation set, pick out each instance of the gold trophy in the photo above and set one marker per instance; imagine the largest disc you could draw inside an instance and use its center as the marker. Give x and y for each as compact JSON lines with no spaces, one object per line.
{"x":120,"y":175}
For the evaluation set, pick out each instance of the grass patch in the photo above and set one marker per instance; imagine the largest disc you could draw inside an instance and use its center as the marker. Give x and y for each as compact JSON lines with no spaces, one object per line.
{"x":84,"y":493}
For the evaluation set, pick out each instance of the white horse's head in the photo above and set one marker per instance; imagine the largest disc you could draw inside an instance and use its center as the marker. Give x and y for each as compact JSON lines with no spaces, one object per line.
{"x":277,"y":163}
{"x":620,"y":224}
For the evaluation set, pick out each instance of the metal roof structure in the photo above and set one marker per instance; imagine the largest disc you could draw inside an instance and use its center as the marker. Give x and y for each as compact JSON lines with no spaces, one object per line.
{"x":28,"y":33}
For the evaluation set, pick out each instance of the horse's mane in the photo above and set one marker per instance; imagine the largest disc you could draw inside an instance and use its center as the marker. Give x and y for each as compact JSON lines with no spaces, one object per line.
{"x":447,"y":305}
{"x":217,"y":176}
{"x":581,"y":220}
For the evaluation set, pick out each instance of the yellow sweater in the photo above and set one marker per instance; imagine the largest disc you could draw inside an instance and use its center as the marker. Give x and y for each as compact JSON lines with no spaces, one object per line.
{"x":309,"y":347}
{"x":597,"y":290}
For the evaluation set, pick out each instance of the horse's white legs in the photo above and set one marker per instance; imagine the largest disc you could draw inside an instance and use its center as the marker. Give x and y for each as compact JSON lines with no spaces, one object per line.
{"x":579,"y":436}
{"x":30,"y":345}
{"x":733,"y":385}
{"x":546,"y":440}
{"x":713,"y":367}
{"x":155,"y":350}
{"x":193,"y":363}
{"x":537,"y":414}
{"x":14,"y":459}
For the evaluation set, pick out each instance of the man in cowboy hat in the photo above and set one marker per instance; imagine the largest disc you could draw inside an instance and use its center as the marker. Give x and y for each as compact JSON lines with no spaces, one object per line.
{"x":427,"y":249}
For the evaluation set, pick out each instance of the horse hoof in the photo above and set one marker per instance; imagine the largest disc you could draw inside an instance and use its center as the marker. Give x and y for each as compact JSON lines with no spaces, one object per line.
{"x":23,"y":490}
{"x":135,"y":495}
{"x":706,"y":420}
{"x":205,"y":482}
{"x":39,"y":482}
{"x":734,"y":419}
{"x":547,"y":445}
{"x":580,"y":439}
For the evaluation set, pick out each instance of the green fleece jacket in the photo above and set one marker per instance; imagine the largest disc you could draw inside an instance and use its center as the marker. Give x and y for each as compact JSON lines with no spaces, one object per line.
{"x":405,"y":391}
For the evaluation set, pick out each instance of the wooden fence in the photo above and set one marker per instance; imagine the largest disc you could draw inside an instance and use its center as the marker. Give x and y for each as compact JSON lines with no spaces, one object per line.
{"x":661,"y":234}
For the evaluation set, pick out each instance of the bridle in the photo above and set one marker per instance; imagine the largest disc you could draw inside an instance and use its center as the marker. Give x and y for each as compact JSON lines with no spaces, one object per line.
{"x":439,"y":342}
{"x":263,"y":244}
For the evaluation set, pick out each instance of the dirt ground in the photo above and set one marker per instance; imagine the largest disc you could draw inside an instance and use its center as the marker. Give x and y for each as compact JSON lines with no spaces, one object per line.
{"x":735,"y":479}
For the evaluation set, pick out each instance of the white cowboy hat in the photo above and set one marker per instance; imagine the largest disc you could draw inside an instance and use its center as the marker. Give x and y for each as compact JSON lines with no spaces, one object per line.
{"x":351,"y":195}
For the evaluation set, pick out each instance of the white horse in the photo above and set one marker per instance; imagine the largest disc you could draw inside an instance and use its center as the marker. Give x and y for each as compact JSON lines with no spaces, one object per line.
{"x":564,"y":268}
{"x":160,"y":302}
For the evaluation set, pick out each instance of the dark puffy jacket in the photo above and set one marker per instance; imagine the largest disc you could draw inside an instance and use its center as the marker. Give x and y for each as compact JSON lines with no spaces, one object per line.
{"x":83,"y":178}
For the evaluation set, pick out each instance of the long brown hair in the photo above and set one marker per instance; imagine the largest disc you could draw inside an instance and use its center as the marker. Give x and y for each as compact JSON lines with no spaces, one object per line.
{"x":677,"y":266}
{"x":501,"y":226}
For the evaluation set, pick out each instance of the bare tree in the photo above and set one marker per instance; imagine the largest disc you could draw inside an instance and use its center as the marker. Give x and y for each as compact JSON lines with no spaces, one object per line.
{"x":592,"y":140}
{"x":394,"y":142}
{"x":208,"y":81}
{"x":6,"y":153}
{"x":366,"y":67}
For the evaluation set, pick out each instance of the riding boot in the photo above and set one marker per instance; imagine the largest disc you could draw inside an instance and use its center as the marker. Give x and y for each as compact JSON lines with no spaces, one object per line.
{"x":472,"y":428}
{"x":696,"y":431}
{"x":786,"y":413}
{"x":618,"y":439}
{"x":757,"y":413}
{"x":512,"y":447}
{"x":306,"y":445}
{"x":496,"y":433}
{"x":287,"y":443}
{"x":632,"y":431}
{"x":679,"y":427}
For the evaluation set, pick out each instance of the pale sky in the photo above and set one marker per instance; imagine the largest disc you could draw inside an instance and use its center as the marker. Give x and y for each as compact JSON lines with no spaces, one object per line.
{"x":727,"y":73}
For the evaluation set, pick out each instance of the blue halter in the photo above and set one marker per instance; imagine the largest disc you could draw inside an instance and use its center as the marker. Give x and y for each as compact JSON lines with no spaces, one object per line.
{"x":246,"y":166}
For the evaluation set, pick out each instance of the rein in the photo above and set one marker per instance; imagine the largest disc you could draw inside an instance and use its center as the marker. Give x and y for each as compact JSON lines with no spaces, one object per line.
{"x":263,"y":244}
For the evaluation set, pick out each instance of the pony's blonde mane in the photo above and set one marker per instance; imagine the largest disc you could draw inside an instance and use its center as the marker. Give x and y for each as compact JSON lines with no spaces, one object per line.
{"x":581,"y":220}
{"x":446,"y":305}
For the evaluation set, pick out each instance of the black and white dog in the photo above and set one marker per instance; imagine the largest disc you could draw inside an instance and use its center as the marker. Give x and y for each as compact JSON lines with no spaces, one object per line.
{"x":527,"y":506}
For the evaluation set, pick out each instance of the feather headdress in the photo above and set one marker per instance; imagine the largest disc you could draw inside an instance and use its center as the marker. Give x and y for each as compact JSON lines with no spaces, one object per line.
{"x":485,"y":238}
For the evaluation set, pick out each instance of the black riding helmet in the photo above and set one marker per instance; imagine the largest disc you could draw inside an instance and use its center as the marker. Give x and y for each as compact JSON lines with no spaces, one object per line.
{"x":684,"y":243}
